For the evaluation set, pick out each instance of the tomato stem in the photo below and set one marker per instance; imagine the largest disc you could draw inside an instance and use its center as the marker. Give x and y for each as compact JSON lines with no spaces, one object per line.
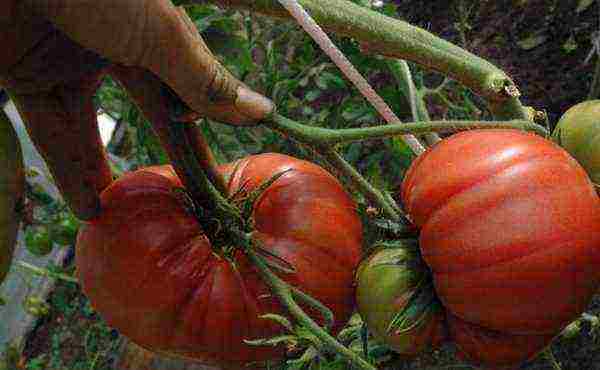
{"x":285,"y":295}
{"x":205,"y":157}
{"x":319,"y":136}
{"x":401,"y":72}
{"x":373,"y":194}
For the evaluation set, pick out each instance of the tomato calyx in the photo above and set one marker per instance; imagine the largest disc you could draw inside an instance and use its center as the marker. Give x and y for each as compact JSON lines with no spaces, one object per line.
{"x":422,"y":304}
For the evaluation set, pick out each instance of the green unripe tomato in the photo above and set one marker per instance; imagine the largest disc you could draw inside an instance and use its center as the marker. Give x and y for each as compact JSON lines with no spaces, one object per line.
{"x":38,"y":241}
{"x":12,"y":186}
{"x":65,"y":231}
{"x":578,"y":132}
{"x":386,"y":281}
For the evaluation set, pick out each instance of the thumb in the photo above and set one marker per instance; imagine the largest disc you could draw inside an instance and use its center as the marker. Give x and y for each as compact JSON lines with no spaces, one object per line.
{"x":155,"y":35}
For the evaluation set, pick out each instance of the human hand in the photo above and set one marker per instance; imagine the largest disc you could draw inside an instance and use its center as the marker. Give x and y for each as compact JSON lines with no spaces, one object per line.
{"x":56,"y":52}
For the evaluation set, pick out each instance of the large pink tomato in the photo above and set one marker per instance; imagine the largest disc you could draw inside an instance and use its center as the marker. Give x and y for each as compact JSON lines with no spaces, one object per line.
{"x":510,"y":227}
{"x":151,"y":273}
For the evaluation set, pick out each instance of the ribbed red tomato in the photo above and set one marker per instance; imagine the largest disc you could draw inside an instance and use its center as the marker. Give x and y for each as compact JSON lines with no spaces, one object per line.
{"x":150,"y":271}
{"x":510,"y":226}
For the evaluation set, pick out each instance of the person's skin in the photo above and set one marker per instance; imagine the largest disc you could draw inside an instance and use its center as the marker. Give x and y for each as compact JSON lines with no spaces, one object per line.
{"x":55,"y":52}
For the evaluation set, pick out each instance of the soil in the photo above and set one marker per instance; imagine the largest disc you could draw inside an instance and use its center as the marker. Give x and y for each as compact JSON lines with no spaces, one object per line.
{"x":541,"y":44}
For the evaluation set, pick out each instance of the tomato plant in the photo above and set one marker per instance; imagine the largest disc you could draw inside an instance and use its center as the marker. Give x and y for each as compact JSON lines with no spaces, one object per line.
{"x":508,"y":221}
{"x":578,"y":131}
{"x":150,"y":271}
{"x":388,"y":283}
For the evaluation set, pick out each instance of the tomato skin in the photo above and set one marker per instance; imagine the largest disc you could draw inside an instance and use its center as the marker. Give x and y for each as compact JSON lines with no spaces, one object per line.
{"x":150,"y":272}
{"x":578,"y":132}
{"x":509,"y":221}
{"x":385,"y":282}
{"x":482,"y":346}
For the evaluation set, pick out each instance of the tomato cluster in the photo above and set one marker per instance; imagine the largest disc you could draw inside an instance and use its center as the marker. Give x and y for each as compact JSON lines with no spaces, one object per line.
{"x":148,"y":268}
{"x":510,"y":228}
{"x":506,"y":220}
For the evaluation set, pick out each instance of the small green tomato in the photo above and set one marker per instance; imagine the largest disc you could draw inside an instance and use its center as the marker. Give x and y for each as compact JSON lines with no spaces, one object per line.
{"x":578,"y":132}
{"x":38,"y":241}
{"x":396,"y":302}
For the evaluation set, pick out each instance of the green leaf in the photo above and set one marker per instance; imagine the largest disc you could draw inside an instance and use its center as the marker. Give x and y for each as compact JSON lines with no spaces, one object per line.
{"x":532,"y":41}
{"x":327,"y":80}
{"x":312,"y":95}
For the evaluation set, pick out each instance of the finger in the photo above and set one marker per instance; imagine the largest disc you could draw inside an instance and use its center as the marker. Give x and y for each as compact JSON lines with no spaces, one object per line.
{"x":156,"y":35}
{"x":64,"y":128}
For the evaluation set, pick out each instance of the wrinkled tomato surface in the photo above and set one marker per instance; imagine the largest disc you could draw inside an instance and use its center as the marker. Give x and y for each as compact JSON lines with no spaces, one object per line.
{"x":150,"y":271}
{"x":510,"y":227}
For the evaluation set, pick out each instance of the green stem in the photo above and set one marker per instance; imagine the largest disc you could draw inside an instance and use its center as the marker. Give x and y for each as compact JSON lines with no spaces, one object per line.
{"x":395,"y":38}
{"x":285,"y":295}
{"x":320,"y":137}
{"x":401,"y":72}
{"x":374,"y":195}
{"x":47,"y":273}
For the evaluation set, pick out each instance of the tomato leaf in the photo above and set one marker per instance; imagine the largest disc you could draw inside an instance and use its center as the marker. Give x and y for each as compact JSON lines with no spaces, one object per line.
{"x":281,"y":320}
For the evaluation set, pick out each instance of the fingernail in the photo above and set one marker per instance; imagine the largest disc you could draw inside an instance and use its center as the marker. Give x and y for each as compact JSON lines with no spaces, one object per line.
{"x":252,"y":104}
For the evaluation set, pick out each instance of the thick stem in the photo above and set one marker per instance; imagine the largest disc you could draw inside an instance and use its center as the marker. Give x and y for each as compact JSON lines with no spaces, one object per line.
{"x":547,"y":353}
{"x":401,"y":72}
{"x":319,"y":136}
{"x":395,"y":38}
{"x":205,"y":157}
{"x":196,"y":181}
{"x":285,"y":295}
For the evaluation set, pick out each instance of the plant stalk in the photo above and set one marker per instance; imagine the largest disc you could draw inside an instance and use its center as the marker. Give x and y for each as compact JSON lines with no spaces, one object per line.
{"x":320,"y":137}
{"x":284,"y":293}
{"x":401,"y":72}
{"x":374,"y":195}
{"x":205,"y":157}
